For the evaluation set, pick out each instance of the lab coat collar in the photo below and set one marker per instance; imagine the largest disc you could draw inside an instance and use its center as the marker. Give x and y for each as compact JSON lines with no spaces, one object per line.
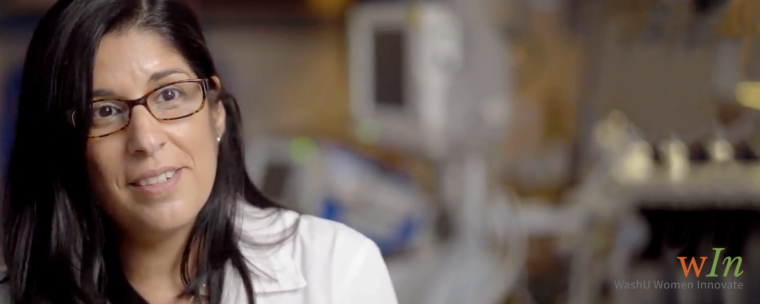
{"x":267,"y":245}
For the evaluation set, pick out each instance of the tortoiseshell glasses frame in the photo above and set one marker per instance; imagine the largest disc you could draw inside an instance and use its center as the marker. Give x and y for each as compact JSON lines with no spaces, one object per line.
{"x":145,"y":101}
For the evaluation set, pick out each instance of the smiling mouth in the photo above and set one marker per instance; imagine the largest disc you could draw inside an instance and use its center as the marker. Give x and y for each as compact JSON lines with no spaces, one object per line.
{"x":156,"y":180}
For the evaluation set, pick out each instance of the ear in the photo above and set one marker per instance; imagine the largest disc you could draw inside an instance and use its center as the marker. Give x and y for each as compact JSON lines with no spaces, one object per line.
{"x":217,"y":110}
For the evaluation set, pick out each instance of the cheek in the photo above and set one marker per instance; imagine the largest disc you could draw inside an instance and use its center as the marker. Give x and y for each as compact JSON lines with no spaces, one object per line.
{"x":197,"y":141}
{"x":103,"y":166}
{"x":193,"y":141}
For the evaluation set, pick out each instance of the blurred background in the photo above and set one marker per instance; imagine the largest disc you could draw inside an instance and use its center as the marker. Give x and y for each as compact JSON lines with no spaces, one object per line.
{"x":498,"y":151}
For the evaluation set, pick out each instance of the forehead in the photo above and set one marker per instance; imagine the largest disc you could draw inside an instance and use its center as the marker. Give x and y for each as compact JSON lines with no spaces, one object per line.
{"x":132,"y":56}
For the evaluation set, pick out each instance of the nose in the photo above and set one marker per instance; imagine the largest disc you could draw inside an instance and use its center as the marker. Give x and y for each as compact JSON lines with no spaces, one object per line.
{"x":146,"y":134}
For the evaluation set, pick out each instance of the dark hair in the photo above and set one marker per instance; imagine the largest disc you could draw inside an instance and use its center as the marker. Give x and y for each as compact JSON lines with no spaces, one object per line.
{"x":57,"y":240}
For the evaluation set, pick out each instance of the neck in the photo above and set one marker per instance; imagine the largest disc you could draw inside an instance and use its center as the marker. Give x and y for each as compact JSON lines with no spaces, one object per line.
{"x":152,"y":266}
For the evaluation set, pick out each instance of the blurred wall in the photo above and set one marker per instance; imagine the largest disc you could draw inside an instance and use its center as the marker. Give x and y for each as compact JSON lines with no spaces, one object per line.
{"x":12,"y":49}
{"x":289,"y":80}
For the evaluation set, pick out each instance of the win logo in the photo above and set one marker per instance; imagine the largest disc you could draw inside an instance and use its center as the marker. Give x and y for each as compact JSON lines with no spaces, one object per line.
{"x":698,"y":270}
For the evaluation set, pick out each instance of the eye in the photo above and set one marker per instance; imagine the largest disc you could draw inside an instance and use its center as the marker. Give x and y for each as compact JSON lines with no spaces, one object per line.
{"x":169,"y":94}
{"x":106,"y":110}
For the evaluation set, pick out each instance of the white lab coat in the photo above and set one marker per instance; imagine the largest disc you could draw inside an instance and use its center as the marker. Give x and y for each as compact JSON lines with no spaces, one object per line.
{"x":323,"y":262}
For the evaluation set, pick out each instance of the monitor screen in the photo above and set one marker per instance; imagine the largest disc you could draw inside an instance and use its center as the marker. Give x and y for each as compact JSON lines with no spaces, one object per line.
{"x":275,"y":180}
{"x":389,"y":66}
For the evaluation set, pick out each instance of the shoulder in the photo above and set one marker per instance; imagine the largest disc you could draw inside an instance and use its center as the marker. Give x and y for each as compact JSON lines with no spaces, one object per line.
{"x":315,"y":235}
{"x":321,"y":256}
{"x":353,"y":262}
{"x":324,"y":235}
{"x":319,"y":241}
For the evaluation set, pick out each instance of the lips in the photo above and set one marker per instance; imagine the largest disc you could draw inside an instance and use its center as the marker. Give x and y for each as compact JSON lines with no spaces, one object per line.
{"x":157,"y":185}
{"x":154,"y":177}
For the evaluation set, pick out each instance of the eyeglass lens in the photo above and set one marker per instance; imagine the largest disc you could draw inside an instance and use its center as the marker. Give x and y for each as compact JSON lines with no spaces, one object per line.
{"x":170,"y":102}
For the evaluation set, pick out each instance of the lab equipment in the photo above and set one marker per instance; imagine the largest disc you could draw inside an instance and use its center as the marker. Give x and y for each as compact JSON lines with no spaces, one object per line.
{"x":333,"y":182}
{"x":409,"y":77}
{"x":385,"y":204}
{"x":403,"y":61}
{"x":287,"y":170}
{"x":428,"y":92}
{"x":695,"y":197}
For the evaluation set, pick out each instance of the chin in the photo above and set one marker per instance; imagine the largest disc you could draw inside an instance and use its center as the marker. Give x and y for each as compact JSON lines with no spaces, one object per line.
{"x":165,"y":217}
{"x":165,"y":225}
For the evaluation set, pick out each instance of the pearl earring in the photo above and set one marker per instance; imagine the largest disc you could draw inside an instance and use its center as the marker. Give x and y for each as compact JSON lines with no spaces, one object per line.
{"x":218,"y":139}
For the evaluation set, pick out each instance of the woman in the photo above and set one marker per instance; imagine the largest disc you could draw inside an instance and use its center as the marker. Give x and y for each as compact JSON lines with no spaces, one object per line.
{"x":126,"y":182}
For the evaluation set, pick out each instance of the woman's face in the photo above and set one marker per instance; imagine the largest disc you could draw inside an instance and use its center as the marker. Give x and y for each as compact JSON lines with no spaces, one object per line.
{"x":154,"y":176}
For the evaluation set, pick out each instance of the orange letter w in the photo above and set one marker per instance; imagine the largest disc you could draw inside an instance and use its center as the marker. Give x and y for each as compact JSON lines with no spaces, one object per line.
{"x":686,"y":270}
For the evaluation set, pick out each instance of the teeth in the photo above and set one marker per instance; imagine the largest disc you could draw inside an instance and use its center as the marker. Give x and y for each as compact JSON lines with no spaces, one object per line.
{"x":157,"y":179}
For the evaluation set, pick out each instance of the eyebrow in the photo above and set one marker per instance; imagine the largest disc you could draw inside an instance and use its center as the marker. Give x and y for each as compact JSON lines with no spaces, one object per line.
{"x":100,"y":93}
{"x":165,"y":73}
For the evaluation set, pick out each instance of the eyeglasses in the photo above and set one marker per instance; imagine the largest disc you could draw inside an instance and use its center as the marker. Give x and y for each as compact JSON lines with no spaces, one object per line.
{"x":172,"y":101}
